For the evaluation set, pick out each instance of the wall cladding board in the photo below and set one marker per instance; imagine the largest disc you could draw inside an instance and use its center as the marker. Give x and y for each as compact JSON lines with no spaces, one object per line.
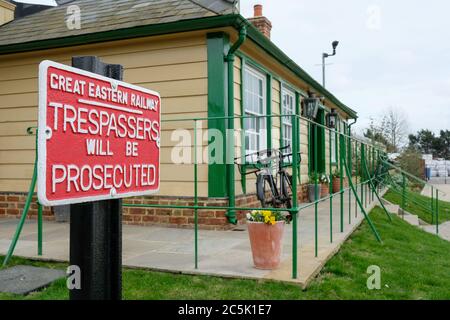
{"x":174,"y":65}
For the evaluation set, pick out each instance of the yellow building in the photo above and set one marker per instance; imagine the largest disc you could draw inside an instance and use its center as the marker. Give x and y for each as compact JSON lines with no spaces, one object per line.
{"x":178,"y":48}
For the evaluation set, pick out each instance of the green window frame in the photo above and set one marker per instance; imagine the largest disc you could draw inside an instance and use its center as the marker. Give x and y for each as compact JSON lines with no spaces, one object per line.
{"x":255,"y":104}
{"x":287,"y":107}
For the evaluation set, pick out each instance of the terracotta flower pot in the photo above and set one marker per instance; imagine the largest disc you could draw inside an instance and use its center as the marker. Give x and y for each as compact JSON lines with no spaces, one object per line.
{"x":266,"y":243}
{"x":324,"y":190}
{"x":336,"y":185}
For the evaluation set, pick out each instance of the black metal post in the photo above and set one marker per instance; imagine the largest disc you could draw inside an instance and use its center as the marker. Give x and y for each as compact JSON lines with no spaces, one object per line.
{"x":96,"y":227}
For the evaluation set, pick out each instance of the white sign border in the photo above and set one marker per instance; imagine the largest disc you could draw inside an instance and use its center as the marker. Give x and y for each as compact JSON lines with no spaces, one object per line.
{"x":42,"y":139}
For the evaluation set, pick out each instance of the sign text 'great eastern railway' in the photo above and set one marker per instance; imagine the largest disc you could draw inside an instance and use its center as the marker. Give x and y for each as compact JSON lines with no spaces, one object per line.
{"x":98,"y":138}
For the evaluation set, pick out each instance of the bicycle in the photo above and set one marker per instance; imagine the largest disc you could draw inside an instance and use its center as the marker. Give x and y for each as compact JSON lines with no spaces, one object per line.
{"x":274,"y":190}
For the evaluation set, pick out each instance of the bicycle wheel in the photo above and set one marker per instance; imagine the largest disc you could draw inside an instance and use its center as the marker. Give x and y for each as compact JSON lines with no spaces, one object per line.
{"x":286,"y":189}
{"x":264,"y":190}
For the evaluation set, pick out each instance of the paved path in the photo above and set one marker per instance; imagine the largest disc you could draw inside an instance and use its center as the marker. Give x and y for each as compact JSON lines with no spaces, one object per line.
{"x":443,"y":187}
{"x":444,"y":230}
{"x":224,"y":253}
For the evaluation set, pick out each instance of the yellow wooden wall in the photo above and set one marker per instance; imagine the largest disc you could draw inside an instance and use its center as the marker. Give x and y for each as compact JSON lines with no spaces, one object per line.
{"x":175,"y":66}
{"x":279,"y":72}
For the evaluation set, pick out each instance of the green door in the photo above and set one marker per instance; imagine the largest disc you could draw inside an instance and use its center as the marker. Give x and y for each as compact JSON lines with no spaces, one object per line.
{"x":317,"y":140}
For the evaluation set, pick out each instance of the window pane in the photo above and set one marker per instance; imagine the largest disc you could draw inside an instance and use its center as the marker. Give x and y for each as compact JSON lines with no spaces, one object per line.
{"x":254,"y":105}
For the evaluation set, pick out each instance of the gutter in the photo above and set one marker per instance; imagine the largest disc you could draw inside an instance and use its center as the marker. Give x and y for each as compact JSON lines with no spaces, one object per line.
{"x":229,"y":58}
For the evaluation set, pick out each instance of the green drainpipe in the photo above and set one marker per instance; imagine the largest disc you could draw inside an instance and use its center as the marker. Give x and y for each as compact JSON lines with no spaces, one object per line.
{"x":229,"y":58}
{"x":350,"y":125}
{"x":350,"y":147}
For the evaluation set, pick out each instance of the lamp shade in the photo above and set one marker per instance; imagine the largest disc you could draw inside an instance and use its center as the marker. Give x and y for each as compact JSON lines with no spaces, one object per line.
{"x":332,"y":118}
{"x":310,"y":107}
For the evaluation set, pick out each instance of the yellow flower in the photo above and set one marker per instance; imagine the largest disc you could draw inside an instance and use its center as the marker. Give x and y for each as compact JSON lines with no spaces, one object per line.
{"x":272,"y":220}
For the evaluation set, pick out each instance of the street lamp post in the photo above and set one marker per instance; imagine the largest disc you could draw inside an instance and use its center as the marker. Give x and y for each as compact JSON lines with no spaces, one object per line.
{"x":326,"y":55}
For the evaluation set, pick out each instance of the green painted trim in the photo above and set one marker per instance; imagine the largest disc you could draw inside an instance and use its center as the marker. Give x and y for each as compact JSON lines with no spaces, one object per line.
{"x":299,"y":131}
{"x":268,"y":46}
{"x":322,"y":145}
{"x":244,"y":166}
{"x":218,"y":44}
{"x":269,"y":77}
{"x":269,"y":110}
{"x":275,"y":76}
{"x":321,"y":154}
{"x":280,"y":94}
{"x":310,"y":150}
{"x":234,"y":20}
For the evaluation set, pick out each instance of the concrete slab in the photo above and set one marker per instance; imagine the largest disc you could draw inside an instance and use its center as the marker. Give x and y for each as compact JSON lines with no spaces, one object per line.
{"x":443,"y":187}
{"x":411,"y":219}
{"x":25,"y":279}
{"x":222,"y":253}
{"x":444,"y":230}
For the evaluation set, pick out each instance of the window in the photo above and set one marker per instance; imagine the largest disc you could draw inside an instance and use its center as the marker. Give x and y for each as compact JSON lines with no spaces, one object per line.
{"x":254,"y":105}
{"x":287,"y":108}
{"x":333,"y":147}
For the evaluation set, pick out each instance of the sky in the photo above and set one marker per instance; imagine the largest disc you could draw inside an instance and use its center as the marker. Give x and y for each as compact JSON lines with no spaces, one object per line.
{"x":390,"y":54}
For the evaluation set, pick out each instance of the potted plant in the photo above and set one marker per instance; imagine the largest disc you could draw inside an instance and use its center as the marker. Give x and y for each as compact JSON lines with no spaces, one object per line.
{"x":336,"y":181}
{"x":313,"y":187}
{"x":324,"y":180}
{"x":265,"y":229}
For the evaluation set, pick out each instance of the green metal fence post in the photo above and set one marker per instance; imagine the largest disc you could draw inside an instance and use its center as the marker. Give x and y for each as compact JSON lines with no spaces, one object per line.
{"x":372,"y":186}
{"x":331,"y":187}
{"x":352,"y":187}
{"x":373,"y":170}
{"x":316,"y":191}
{"x":195,"y":197}
{"x":363,"y":158}
{"x":437,"y":211}
{"x":294,"y":209}
{"x":341,"y":174}
{"x":432,"y":205}
{"x":356,"y":176}
{"x":350,"y":166}
{"x":403,"y":195}
{"x":27,"y":204}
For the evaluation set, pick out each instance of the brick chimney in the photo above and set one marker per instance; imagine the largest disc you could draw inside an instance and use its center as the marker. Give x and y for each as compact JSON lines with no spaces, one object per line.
{"x":6,"y":11}
{"x":260,"y":22}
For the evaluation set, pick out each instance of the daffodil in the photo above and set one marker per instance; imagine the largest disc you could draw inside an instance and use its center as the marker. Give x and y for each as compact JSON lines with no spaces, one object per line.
{"x":272,"y":220}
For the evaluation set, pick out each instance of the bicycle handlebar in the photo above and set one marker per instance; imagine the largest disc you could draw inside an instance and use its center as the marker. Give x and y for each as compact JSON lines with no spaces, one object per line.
{"x":269,"y":152}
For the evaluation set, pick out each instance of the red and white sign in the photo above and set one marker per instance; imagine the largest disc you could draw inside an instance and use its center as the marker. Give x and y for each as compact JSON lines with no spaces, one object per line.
{"x":98,"y":138}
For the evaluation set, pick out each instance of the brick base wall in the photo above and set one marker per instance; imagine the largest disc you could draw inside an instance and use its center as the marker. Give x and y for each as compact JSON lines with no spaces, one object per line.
{"x":12,"y":204}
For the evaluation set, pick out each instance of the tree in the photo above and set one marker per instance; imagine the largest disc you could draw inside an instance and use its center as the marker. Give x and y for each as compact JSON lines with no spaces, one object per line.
{"x":424,"y":142}
{"x":427,"y":142}
{"x":377,"y":136}
{"x":394,"y":127}
{"x":442,"y":145}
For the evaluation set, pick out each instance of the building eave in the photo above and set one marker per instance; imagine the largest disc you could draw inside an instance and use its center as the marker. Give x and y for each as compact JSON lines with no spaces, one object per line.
{"x":233,"y":20}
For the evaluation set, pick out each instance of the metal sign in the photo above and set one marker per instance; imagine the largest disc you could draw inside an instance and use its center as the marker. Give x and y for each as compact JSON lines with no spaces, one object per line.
{"x":98,"y":138}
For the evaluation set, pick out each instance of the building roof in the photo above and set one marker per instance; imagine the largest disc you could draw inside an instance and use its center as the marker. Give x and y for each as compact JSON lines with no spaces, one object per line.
{"x":105,"y":15}
{"x":108,"y":20}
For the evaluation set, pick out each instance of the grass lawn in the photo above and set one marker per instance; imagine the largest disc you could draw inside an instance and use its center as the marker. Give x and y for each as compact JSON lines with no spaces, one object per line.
{"x":414,"y":265}
{"x":414,"y":208}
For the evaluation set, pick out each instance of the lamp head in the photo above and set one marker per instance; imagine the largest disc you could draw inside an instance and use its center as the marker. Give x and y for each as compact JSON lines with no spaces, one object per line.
{"x":335,"y":44}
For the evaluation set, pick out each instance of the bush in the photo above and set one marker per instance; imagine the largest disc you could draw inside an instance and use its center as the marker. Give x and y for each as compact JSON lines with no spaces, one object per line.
{"x":411,"y":161}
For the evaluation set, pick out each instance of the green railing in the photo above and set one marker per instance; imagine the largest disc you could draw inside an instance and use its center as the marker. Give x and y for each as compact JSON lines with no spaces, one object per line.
{"x":406,"y":190}
{"x":357,"y":161}
{"x":26,"y":208}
